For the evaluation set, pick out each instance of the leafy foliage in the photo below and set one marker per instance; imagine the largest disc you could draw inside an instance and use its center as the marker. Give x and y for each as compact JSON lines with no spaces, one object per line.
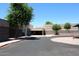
{"x":19,"y":13}
{"x":56,"y":28}
{"x":67,"y":26}
{"x":49,"y":23}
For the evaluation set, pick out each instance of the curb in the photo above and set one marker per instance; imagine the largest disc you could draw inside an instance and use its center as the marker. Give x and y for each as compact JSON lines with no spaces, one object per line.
{"x":5,"y":44}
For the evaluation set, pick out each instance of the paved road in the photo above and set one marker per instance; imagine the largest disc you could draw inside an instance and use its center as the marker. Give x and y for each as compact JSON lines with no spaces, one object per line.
{"x":40,"y":47}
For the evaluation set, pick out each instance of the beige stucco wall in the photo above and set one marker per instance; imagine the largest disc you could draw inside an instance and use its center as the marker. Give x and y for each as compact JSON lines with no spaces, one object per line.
{"x":48,"y":29}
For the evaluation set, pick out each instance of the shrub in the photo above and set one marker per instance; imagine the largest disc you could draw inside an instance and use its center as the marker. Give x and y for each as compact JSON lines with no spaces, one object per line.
{"x":67,"y":26}
{"x":56,"y":28}
{"x":48,"y":23}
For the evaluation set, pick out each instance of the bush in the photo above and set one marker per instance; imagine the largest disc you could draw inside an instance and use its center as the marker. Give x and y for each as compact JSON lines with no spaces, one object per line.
{"x":67,"y":26}
{"x":56,"y":28}
{"x":48,"y":23}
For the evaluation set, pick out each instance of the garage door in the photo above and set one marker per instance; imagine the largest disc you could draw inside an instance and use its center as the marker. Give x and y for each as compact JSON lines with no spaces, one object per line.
{"x":36,"y":32}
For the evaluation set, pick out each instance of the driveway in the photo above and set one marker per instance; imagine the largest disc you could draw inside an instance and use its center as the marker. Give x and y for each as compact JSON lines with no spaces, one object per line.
{"x":39,"y":47}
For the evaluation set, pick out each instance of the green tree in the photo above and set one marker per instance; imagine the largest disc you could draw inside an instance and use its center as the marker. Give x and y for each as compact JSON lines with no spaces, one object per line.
{"x":48,"y":23}
{"x":19,"y":14}
{"x":56,"y":28}
{"x":67,"y":26}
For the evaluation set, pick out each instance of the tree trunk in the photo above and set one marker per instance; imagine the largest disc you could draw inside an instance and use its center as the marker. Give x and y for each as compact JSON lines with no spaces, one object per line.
{"x":16,"y":31}
{"x":27,"y":30}
{"x":56,"y":33}
{"x":68,"y":30}
{"x":15,"y":35}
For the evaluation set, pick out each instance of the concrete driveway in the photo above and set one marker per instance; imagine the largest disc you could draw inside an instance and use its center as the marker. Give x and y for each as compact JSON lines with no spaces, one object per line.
{"x":39,"y":47}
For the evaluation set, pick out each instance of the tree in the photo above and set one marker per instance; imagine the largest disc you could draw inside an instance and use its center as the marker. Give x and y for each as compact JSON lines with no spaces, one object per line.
{"x":56,"y":28}
{"x":48,"y":23}
{"x":19,"y":14}
{"x":67,"y":26}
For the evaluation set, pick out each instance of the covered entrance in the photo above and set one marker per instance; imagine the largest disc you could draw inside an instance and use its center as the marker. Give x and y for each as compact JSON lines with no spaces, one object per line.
{"x":37,"y":31}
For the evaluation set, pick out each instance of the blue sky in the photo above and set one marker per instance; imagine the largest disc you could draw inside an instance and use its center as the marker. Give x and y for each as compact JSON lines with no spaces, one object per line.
{"x":56,"y":13}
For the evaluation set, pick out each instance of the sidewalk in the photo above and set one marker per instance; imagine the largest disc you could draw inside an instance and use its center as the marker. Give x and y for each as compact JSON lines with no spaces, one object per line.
{"x":67,"y":40}
{"x":2,"y":44}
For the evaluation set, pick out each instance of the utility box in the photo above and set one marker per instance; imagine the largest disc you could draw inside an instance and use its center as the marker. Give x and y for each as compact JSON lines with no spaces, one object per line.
{"x":4,"y":30}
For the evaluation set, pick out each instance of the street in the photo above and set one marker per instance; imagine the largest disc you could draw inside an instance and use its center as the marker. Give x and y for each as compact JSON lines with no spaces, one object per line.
{"x":39,"y":47}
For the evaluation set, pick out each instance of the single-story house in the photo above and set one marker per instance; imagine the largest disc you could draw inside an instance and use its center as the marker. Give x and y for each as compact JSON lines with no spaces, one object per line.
{"x":4,"y":30}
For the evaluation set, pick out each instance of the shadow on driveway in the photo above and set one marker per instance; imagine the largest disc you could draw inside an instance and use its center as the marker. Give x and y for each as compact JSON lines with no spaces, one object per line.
{"x":30,"y":38}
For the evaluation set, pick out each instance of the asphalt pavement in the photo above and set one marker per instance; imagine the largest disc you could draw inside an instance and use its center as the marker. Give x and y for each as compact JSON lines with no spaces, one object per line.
{"x":39,"y":47}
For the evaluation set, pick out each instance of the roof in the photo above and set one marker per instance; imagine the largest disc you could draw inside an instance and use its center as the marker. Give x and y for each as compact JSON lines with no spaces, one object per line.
{"x":3,"y":23}
{"x":77,"y":25}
